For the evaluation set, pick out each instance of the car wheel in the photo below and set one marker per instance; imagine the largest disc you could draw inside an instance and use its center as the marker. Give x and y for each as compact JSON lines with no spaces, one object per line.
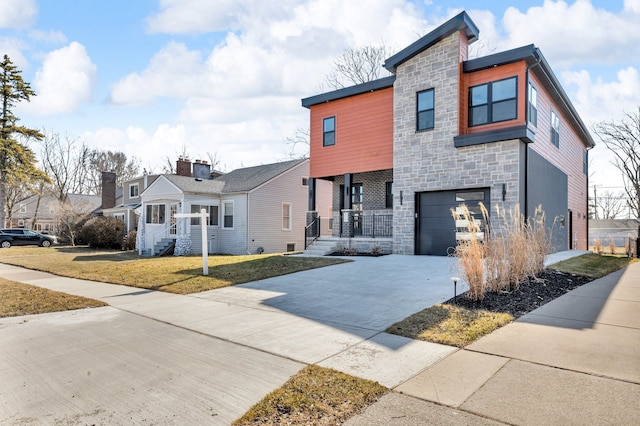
{"x":6,"y":244}
{"x":46,"y":243}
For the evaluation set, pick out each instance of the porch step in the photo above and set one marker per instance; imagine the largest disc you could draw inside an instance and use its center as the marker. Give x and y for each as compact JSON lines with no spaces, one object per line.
{"x":162,"y":247}
{"x":322,"y":247}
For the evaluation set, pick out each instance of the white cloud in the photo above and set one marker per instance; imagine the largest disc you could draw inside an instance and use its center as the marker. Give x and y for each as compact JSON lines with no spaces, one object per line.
{"x":64,"y":82}
{"x":52,"y":37}
{"x":575,"y":34}
{"x":175,"y":71}
{"x":17,"y":13}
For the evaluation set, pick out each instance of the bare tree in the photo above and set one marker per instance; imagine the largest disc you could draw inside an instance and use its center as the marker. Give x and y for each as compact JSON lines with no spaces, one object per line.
{"x":623,"y":140}
{"x":298,"y":145}
{"x":356,"y":66}
{"x":112,"y":161}
{"x":70,"y":217}
{"x":610,"y":204}
{"x":66,"y":162}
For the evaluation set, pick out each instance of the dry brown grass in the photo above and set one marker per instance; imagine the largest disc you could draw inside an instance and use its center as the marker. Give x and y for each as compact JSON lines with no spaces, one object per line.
{"x":314,"y":396}
{"x":597,"y":245}
{"x":513,"y":249}
{"x":592,"y":265}
{"x":450,"y":325}
{"x":23,"y":299}
{"x":172,"y":274}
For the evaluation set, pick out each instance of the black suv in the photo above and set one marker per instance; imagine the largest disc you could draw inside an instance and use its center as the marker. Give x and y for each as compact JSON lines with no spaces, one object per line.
{"x":25,"y":237}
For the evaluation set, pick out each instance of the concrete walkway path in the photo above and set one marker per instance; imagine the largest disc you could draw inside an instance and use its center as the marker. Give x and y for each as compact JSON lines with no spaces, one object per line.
{"x":205,"y":358}
{"x":220,"y":351}
{"x":573,"y":361}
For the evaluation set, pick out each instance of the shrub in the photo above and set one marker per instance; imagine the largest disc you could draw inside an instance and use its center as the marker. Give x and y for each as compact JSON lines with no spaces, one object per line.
{"x":597,"y":246}
{"x":612,"y":246}
{"x":103,"y":232}
{"x":129,"y":240}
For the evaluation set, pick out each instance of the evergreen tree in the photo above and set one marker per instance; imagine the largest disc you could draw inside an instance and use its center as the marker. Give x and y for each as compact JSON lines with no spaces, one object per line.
{"x":17,"y":161}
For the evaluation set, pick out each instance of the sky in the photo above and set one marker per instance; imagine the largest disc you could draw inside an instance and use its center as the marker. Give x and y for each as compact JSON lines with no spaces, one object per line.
{"x":224,"y":78}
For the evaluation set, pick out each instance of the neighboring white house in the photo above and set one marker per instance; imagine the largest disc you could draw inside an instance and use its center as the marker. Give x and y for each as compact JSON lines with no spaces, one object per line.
{"x":128,"y":209}
{"x":251,"y":210}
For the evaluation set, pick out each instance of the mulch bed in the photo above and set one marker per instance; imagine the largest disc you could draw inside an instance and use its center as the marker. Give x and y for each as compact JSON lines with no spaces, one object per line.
{"x":530,"y":295}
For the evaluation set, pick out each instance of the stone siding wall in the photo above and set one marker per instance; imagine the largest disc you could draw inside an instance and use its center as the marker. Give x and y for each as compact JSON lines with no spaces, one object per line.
{"x":428,"y":160}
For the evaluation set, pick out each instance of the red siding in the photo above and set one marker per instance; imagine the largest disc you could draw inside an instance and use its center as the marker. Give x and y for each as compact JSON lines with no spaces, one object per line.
{"x":491,"y":74}
{"x":568,"y":158}
{"x":364,"y":135}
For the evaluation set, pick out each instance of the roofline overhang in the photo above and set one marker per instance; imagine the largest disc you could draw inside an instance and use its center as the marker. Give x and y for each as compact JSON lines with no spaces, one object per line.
{"x":461,"y":22}
{"x":358,"y":89}
{"x":537,"y":64}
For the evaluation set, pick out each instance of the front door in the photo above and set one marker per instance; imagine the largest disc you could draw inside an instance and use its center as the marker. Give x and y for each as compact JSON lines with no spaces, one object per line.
{"x":173,"y":209}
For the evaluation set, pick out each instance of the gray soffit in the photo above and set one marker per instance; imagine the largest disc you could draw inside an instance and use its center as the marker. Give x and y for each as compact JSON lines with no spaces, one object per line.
{"x":540,"y":67}
{"x":461,"y":22}
{"x":346,"y":92}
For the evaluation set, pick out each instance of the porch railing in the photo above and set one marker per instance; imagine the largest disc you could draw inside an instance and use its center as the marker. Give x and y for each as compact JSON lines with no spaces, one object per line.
{"x":311,"y":232}
{"x":168,"y":231}
{"x":373,"y":225}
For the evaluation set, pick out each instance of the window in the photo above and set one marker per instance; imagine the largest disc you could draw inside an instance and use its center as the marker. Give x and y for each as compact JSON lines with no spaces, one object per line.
{"x":532,"y":113}
{"x":213,"y":214}
{"x":21,"y":223}
{"x":23,"y":208}
{"x":134,"y":190}
{"x":38,"y":227}
{"x":356,"y":197}
{"x":425,"y":113}
{"x":493,"y":102}
{"x":155,"y":213}
{"x":305,"y":181}
{"x":291,"y":247}
{"x":329,"y":131}
{"x":51,"y":208}
{"x":286,"y":216}
{"x":389,"y":195}
{"x":555,"y":129}
{"x":227,"y":208}
{"x":119,"y":217}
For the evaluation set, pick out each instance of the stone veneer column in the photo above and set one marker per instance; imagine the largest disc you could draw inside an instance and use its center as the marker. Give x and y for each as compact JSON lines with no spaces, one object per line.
{"x":346,"y":218}
{"x":428,"y":160}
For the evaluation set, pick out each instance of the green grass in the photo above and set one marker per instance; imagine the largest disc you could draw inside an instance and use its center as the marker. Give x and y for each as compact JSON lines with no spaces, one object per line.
{"x":314,"y":395}
{"x":172,"y":274}
{"x":450,"y":325}
{"x":592,"y":265}
{"x":23,"y":299}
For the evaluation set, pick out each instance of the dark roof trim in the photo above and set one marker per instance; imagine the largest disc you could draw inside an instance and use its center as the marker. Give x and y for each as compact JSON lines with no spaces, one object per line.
{"x":461,"y":22}
{"x":358,"y":89}
{"x":540,"y":67}
{"x":519,"y":132}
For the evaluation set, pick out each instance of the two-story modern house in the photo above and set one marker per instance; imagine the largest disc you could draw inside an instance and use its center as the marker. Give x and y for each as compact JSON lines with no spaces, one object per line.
{"x":444,"y":130}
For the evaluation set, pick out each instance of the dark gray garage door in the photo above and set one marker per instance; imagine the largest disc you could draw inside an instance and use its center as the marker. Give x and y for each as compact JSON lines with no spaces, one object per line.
{"x":435,"y":227}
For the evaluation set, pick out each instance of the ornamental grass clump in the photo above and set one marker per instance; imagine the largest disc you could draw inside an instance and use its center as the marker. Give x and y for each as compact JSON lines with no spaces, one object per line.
{"x":503,"y":256}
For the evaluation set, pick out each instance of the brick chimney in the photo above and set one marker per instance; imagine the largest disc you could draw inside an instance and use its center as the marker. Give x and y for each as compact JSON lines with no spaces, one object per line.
{"x":183,"y":167}
{"x":108,"y":190}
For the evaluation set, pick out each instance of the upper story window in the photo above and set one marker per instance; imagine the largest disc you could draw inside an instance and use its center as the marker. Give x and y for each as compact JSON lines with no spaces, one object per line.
{"x":134,"y":190}
{"x":23,"y":208}
{"x":532,"y":112}
{"x":493,"y":102}
{"x":305,"y":181}
{"x":329,"y":131}
{"x":555,"y":129}
{"x":425,"y":113}
{"x":155,"y":213}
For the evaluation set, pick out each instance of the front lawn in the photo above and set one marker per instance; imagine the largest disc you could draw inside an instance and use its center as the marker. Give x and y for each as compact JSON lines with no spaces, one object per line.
{"x":173,"y":274}
{"x":462,"y":323}
{"x":23,"y":299}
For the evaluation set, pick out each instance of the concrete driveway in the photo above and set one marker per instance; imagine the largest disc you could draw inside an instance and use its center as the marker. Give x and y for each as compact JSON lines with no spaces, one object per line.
{"x":159,"y":358}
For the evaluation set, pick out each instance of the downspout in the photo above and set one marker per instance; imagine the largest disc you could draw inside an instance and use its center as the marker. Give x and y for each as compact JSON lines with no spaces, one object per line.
{"x":246,"y":218}
{"x":587,"y":192}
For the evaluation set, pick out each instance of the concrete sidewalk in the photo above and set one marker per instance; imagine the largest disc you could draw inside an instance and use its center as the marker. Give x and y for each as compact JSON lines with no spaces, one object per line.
{"x":574,"y":361}
{"x":221,"y":350}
